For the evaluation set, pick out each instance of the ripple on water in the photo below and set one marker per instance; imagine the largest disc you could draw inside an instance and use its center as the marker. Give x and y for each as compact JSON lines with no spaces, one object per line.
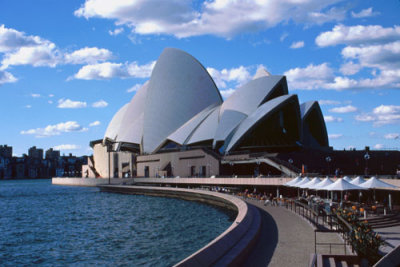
{"x":55,"y":225}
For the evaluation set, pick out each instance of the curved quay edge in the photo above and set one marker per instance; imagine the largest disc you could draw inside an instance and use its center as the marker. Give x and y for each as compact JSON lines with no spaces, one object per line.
{"x":229,"y":248}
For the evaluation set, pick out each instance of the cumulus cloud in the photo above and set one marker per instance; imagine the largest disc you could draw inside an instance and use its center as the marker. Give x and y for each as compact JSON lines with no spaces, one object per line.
{"x":134,"y":88}
{"x":332,"y":119}
{"x":95,"y":123}
{"x":116,"y":31}
{"x":364,"y":13}
{"x":35,"y":95}
{"x":335,"y":136}
{"x":344,"y":109}
{"x":11,"y":39}
{"x":108,"y":70}
{"x":66,"y":147}
{"x":88,"y":55}
{"x":239,"y":76}
{"x":57,"y":129}
{"x":296,"y":45}
{"x":68,"y":103}
{"x":310,"y":77}
{"x":381,"y":115}
{"x":350,"y":68}
{"x":355,"y":35}
{"x":328,"y":102}
{"x":6,"y":77}
{"x":392,"y":136}
{"x":100,"y":104}
{"x":182,"y":19}
{"x":45,"y":54}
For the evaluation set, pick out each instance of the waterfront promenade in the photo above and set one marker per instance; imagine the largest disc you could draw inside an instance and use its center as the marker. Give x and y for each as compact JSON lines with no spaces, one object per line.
{"x":286,"y":239}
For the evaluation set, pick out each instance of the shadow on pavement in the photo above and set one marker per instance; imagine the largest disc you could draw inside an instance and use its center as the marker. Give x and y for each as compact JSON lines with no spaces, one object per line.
{"x":267,"y":241}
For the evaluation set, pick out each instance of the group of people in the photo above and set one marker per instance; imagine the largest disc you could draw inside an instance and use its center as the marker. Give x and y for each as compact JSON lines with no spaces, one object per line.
{"x":267,"y":199}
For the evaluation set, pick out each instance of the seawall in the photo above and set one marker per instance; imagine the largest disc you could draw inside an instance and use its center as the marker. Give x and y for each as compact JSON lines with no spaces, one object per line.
{"x":229,"y":248}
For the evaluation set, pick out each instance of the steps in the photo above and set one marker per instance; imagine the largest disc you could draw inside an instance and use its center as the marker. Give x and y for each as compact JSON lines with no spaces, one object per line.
{"x":384,"y":221}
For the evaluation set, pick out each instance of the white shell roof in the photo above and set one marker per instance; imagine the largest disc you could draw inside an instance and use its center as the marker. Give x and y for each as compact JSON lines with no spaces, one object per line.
{"x":132,"y":123}
{"x":248,"y":98}
{"x":181,"y":135}
{"x":306,"y":107}
{"x":115,"y":124}
{"x":263,"y":111}
{"x":206,"y":130}
{"x":179,"y":88}
{"x":229,"y":120}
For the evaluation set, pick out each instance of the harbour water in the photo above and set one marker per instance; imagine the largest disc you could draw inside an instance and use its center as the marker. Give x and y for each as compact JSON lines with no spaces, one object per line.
{"x":53,"y":225}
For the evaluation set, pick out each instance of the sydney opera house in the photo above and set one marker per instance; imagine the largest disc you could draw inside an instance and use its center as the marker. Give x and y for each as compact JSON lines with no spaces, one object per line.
{"x":177,"y":124}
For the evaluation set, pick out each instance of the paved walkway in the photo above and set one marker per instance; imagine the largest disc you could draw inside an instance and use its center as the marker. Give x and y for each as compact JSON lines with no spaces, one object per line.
{"x":286,"y":239}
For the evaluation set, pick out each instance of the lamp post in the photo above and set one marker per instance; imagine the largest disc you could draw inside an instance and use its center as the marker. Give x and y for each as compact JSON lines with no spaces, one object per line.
{"x":328,"y":161}
{"x":366,"y":157}
{"x":231,"y":163}
{"x":290,"y":162}
{"x":109,"y":149}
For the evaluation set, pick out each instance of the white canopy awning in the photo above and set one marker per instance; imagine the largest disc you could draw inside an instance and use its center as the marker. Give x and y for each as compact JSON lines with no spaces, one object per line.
{"x":303,"y":181}
{"x":347,"y":179}
{"x":358,"y":180}
{"x":314,"y":181}
{"x":322,"y":184}
{"x":294,"y":181}
{"x":342,"y":185}
{"x":376,"y":183}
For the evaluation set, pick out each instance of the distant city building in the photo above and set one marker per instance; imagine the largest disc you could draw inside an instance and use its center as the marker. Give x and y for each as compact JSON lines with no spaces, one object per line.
{"x":34,"y":166}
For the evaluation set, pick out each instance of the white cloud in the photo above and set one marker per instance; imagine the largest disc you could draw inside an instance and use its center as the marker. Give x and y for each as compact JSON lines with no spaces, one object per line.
{"x":239,"y":76}
{"x":328,"y":102}
{"x":350,"y":68}
{"x":116,"y":31}
{"x":88,"y":55}
{"x":332,"y":119}
{"x":44,"y":54}
{"x":354,"y":35}
{"x":283,"y":36}
{"x":57,"y":129}
{"x":382,"y":56}
{"x":68,"y":103}
{"x":66,"y":147}
{"x":50,"y":102}
{"x":296,"y":45}
{"x":310,"y":77}
{"x":335,"y":136}
{"x":35,"y":95}
{"x":95,"y":123}
{"x":392,"y":136}
{"x":51,"y":95}
{"x":11,"y":39}
{"x":379,"y":146}
{"x":381,"y":115}
{"x":134,"y":88}
{"x":344,"y":109}
{"x":100,"y":104}
{"x":108,"y":70}
{"x":218,"y":17}
{"x":226,"y":93}
{"x":364,"y":13}
{"x":6,"y":77}
{"x":28,"y":106}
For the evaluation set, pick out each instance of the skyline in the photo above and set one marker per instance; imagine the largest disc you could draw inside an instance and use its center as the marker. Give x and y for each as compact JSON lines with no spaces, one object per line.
{"x":66,"y":68}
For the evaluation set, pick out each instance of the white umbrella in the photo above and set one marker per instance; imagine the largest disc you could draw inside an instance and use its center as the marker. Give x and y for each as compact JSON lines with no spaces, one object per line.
{"x":342,"y":185}
{"x":303,"y":181}
{"x":322,"y":184}
{"x":347,"y":179}
{"x":314,"y":181}
{"x":294,"y":181}
{"x":358,"y":180}
{"x":374,"y":183}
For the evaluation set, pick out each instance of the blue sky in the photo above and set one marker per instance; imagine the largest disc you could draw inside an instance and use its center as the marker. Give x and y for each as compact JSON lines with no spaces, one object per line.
{"x":66,"y":67}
